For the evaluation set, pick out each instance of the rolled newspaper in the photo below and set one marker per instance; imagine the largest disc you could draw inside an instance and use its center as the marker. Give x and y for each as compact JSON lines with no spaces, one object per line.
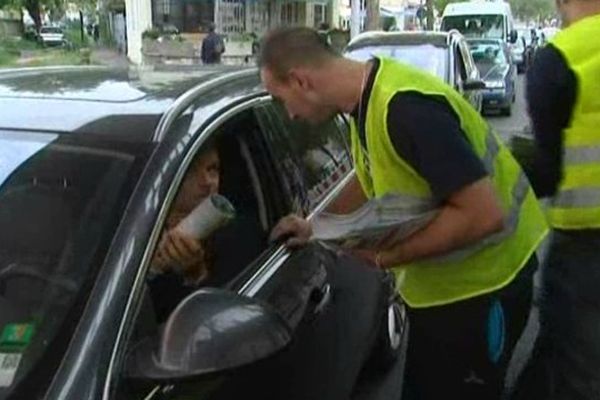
{"x":212,"y":213}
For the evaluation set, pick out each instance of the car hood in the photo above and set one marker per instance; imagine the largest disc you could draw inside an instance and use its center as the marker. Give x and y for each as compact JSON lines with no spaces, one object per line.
{"x":493,"y":72}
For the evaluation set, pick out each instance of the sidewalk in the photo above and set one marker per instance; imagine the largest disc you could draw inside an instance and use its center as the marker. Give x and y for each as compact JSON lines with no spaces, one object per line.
{"x":108,"y":57}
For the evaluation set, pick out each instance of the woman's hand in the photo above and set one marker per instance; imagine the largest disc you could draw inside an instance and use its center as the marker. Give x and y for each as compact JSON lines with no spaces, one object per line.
{"x":184,"y":253}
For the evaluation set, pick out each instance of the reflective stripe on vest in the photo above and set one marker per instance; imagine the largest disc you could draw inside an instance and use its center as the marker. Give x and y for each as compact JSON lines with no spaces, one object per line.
{"x":511,"y":219}
{"x":581,"y":155}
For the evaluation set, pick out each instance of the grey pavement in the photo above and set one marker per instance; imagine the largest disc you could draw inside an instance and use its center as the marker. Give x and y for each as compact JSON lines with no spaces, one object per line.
{"x":518,"y":121}
{"x":109,"y":57}
{"x":517,"y":124}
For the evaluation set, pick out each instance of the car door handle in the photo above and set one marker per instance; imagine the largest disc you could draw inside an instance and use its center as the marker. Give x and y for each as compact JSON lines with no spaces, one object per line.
{"x":322,"y":297}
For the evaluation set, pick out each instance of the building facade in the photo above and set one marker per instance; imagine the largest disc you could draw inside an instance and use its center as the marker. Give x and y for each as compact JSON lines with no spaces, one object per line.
{"x":230,"y":17}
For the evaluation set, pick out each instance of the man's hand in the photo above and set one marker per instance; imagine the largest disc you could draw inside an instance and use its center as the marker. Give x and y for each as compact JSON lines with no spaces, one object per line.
{"x":293,"y":230}
{"x":184,"y":252}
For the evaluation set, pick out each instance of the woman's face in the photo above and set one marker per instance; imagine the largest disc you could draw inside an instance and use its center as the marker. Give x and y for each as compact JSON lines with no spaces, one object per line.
{"x":201,"y":180}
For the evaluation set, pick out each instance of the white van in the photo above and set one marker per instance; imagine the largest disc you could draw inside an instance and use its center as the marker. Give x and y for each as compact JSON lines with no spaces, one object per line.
{"x":480,"y":19}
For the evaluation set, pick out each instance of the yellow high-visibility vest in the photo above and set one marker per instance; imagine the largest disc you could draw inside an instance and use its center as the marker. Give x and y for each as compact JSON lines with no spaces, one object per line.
{"x":577,"y":202}
{"x":480,"y":268}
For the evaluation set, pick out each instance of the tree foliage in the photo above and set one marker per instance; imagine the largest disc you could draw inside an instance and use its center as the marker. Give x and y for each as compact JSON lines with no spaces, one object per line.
{"x":35,"y":8}
{"x":533,"y":9}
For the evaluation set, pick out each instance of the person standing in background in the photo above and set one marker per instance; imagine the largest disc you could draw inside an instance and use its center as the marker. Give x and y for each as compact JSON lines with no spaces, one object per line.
{"x":562,"y":95}
{"x":212,"y":47}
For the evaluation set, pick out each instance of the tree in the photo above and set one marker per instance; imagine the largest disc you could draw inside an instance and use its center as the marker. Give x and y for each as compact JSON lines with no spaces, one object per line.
{"x":35,"y":8}
{"x":430,"y":14}
{"x":373,"y":20}
{"x":440,"y":5}
{"x":532,"y":9}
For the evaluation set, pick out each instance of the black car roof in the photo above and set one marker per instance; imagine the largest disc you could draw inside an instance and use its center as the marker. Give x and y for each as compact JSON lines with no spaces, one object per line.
{"x":438,"y":39}
{"x":122,"y":102}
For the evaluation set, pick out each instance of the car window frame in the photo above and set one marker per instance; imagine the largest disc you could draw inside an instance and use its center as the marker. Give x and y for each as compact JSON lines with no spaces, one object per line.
{"x":472,"y":71}
{"x":460,"y":67}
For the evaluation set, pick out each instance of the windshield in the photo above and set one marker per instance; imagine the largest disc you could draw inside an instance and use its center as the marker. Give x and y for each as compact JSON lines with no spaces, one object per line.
{"x":60,"y":203}
{"x":489,"y":58}
{"x":476,"y":26}
{"x":50,"y":30}
{"x":487,"y":53}
{"x":426,"y":57}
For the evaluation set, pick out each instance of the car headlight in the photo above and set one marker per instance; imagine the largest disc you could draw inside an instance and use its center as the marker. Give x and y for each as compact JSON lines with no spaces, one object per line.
{"x":495,"y":84}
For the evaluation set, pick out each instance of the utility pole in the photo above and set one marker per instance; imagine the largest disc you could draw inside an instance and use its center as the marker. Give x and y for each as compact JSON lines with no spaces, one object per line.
{"x":355,"y":11}
{"x":373,"y":20}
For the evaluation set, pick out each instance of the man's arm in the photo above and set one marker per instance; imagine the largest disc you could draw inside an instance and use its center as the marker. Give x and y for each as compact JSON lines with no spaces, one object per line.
{"x":466,"y":217}
{"x":433,"y":143}
{"x":551,"y":91}
{"x":350,"y":198}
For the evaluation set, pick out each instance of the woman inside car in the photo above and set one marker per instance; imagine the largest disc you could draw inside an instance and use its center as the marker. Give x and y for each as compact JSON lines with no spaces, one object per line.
{"x":182,"y":263}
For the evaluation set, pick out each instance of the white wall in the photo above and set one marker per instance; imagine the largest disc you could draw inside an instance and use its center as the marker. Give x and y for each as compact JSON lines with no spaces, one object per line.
{"x":139,"y":18}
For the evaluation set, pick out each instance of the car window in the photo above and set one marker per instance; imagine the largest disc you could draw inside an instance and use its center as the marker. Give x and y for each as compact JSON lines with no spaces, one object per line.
{"x":426,"y":57}
{"x":313,"y":158}
{"x":488,"y":53}
{"x":62,"y":200}
{"x":476,"y":26}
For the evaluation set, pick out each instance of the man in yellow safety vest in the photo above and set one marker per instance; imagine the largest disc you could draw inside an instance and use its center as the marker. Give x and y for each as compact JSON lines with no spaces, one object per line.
{"x":467,"y":276}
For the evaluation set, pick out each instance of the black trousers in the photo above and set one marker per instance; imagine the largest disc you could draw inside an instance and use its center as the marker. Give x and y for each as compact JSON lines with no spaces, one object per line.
{"x":462,"y":350}
{"x":565,"y":364}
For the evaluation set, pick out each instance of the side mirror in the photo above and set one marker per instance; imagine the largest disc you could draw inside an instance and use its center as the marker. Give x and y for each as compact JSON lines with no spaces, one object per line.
{"x":473,"y":84}
{"x":513,"y":36}
{"x":211,"y":330}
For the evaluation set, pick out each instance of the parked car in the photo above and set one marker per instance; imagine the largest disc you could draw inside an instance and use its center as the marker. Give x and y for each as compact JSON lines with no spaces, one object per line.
{"x":497,"y":70}
{"x":443,"y":54}
{"x":51,"y":36}
{"x":92,"y":161}
{"x":519,"y":54}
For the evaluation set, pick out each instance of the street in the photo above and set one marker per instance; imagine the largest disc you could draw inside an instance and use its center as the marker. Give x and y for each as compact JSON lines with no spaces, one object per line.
{"x":507,"y":127}
{"x":518,"y":121}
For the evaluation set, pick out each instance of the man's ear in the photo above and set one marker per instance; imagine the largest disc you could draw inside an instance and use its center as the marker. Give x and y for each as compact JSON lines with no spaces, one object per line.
{"x":300,"y":78}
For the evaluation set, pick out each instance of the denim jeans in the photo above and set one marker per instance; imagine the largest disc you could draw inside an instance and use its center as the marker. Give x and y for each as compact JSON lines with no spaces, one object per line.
{"x":566,"y":360}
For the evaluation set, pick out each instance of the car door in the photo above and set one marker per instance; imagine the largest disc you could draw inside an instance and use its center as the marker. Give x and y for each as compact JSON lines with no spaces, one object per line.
{"x":339,"y":327}
{"x":305,"y":287}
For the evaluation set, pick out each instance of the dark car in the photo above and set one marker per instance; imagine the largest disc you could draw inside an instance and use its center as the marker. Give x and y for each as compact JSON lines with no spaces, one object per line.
{"x":443,"y":54}
{"x":497,"y":70}
{"x":91,"y":162}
